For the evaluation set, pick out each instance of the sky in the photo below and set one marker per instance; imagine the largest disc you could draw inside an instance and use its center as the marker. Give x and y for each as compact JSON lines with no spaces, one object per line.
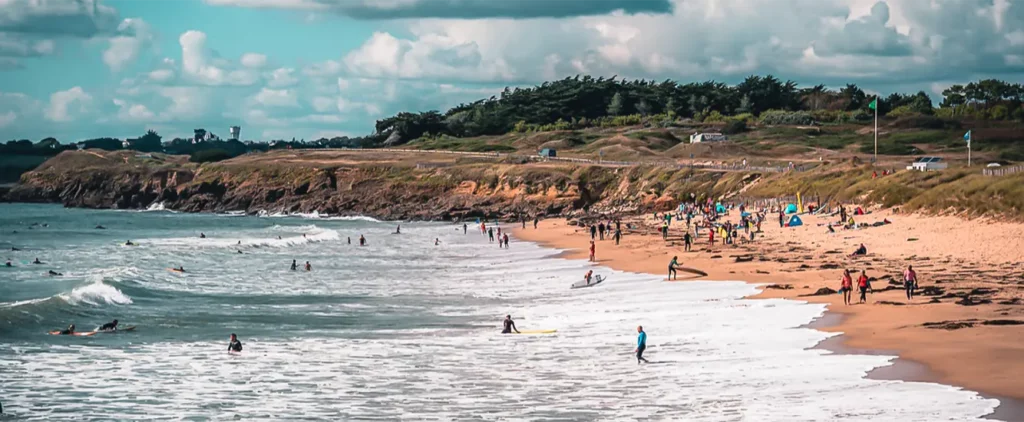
{"x":79,"y":69}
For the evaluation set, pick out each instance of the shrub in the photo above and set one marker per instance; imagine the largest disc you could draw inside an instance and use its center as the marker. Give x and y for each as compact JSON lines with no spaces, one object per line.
{"x":925,"y":122}
{"x":209,"y":156}
{"x":714,"y":117}
{"x":791,"y":118}
{"x":734,"y":126}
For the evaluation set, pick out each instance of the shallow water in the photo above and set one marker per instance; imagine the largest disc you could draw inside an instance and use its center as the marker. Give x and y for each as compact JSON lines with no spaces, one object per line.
{"x":400,"y":329}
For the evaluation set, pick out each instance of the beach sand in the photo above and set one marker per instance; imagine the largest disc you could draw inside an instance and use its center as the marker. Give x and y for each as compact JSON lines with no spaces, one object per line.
{"x":954,"y":259}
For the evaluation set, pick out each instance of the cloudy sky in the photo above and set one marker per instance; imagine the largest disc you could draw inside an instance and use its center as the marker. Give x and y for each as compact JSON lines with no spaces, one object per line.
{"x":78,"y":69}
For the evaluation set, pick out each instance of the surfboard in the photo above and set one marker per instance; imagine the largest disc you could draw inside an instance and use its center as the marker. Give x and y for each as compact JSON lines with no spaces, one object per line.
{"x":119,"y":330}
{"x":537,"y":331}
{"x":175,"y":270}
{"x":691,"y":271}
{"x":80,"y":333}
{"x":583,"y":284}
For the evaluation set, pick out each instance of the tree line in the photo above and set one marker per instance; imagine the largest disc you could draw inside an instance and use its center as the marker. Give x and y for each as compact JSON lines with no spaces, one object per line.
{"x":585,"y":101}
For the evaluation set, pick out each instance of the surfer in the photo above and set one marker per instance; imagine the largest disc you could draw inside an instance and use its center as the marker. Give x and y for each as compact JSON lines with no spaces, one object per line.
{"x":54,"y":273}
{"x":202,"y":235}
{"x":8,"y":264}
{"x":110,"y":326}
{"x":464,"y":228}
{"x":294,"y":265}
{"x":180,"y":269}
{"x":100,"y":228}
{"x":362,"y":240}
{"x":308,"y":267}
{"x":37,"y":261}
{"x":13,"y":249}
{"x":672,"y":268}
{"x":234,"y":345}
{"x":437,"y":241}
{"x":398,"y":230}
{"x":349,"y":240}
{"x":687,"y":241}
{"x":70,"y":330}
{"x":508,"y":325}
{"x":641,"y":344}
{"x":588,"y":276}
{"x":129,"y":243}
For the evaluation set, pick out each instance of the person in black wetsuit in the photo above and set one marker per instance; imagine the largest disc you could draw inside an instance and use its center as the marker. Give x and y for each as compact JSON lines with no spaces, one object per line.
{"x":234,"y":345}
{"x":110,"y":326}
{"x":70,"y":330}
{"x":294,"y":265}
{"x":508,"y":325}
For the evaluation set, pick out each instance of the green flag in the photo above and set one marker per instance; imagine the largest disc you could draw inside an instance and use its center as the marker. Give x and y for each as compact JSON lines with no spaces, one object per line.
{"x":874,"y":104}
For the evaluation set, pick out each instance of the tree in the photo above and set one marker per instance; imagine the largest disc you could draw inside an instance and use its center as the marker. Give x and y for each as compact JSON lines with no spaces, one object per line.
{"x":150,"y":142}
{"x":616,"y":106}
{"x":643,"y":108}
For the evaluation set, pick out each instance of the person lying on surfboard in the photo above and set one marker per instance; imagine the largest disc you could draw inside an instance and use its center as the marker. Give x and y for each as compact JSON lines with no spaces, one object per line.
{"x":509,"y":325}
{"x":110,"y":326}
{"x":234,"y":345}
{"x":69,"y":331}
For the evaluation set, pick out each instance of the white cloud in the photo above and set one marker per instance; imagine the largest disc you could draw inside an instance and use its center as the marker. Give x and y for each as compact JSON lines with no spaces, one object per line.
{"x":64,"y":105}
{"x":254,"y":60}
{"x":128,"y":112}
{"x":343,"y":84}
{"x":276,"y":98}
{"x":324,"y":104}
{"x":76,"y":18}
{"x":7,"y":118}
{"x":134,"y":35}
{"x":282,"y":78}
{"x":431,"y":56}
{"x":198,"y":65}
{"x":161,"y":75}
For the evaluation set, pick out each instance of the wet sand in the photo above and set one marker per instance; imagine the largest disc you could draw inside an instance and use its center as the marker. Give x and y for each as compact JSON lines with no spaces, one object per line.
{"x":962,"y":332}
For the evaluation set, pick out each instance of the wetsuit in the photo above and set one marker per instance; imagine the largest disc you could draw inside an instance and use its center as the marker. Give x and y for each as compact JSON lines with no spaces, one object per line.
{"x":235,"y":346}
{"x":672,"y":268}
{"x":641,"y":345}
{"x":687,"y":241}
{"x":110,"y":326}
{"x":508,"y":326}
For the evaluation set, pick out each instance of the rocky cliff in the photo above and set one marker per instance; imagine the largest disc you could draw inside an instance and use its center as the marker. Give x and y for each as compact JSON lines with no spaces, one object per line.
{"x":349,"y":183}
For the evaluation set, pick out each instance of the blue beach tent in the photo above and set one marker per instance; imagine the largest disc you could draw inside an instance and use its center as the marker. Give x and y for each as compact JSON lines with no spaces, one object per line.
{"x":795,"y":221}
{"x":791,"y":209}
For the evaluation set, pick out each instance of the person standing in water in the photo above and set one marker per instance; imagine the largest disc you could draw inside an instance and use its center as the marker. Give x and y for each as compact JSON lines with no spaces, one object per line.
{"x":398,"y":230}
{"x":234,"y":345}
{"x":308,"y":267}
{"x":362,"y":240}
{"x":910,"y":281}
{"x":508,"y":325}
{"x":295,"y":265}
{"x":593,"y":257}
{"x":465,"y":228}
{"x":505,"y":238}
{"x":490,"y":234}
{"x":641,"y":344}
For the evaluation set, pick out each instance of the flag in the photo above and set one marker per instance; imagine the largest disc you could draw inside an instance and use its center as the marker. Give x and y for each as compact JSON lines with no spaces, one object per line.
{"x":967,"y":137}
{"x":874,"y":104}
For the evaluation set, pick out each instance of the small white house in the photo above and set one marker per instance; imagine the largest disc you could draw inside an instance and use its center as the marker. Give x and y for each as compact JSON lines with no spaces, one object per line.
{"x":707,"y":137}
{"x":927,"y":164}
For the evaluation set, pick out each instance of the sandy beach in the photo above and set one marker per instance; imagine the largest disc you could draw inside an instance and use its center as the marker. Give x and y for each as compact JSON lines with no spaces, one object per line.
{"x":962,"y":329}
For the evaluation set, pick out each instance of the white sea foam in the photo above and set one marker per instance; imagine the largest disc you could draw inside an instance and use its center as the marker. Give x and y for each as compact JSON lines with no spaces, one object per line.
{"x":314,"y":235}
{"x":715,"y":356}
{"x":96,"y":294}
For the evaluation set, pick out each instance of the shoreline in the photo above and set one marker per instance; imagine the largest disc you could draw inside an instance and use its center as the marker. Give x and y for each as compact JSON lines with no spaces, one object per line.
{"x":644,"y":251}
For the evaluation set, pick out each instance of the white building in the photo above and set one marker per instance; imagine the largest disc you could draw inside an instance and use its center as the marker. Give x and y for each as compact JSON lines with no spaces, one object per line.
{"x":707,"y":137}
{"x":234,"y":132}
{"x":927,"y":164}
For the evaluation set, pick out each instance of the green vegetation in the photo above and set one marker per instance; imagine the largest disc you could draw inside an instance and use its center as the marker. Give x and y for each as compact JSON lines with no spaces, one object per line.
{"x":210,"y":155}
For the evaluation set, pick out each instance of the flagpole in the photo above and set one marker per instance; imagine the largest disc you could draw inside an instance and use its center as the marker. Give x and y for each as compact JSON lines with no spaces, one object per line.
{"x":969,"y":136}
{"x":876,"y":130}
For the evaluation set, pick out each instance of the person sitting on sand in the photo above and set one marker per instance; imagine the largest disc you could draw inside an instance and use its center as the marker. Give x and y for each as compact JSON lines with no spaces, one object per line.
{"x":862,"y":250}
{"x":507,"y":326}
{"x":846,"y":286}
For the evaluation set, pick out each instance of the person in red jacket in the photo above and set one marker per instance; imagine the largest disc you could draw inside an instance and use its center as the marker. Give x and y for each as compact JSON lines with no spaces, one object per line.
{"x":862,"y":283}
{"x":847,"y":286}
{"x":592,"y":252}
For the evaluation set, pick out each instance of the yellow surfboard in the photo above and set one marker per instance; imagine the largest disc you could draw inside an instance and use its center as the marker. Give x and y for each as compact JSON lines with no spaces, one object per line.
{"x":537,"y":331}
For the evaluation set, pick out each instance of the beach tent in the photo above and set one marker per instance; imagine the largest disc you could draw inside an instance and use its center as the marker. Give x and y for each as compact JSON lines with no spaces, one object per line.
{"x":794,"y":221}
{"x":744,"y":214}
{"x":791,"y":209}
{"x":719,"y":208}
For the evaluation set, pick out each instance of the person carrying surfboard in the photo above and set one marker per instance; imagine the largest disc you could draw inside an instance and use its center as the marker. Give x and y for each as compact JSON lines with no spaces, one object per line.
{"x":110,"y":326}
{"x":672,"y":268}
{"x":641,"y":344}
{"x":508,"y":325}
{"x":234,"y":345}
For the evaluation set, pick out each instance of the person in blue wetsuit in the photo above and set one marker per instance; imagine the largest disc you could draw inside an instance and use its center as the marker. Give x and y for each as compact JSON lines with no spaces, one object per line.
{"x":641,"y":345}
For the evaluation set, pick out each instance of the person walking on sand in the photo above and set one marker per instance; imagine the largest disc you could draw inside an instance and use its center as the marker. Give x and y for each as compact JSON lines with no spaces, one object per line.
{"x":711,"y":237}
{"x":490,"y":234}
{"x":593,"y":232}
{"x":592,"y":252}
{"x":862,"y":283}
{"x":600,"y":230}
{"x":618,"y":236}
{"x":910,"y":281}
{"x":672,"y":268}
{"x":641,"y":344}
{"x":535,"y":220}
{"x":687,"y":242}
{"x":846,"y":286}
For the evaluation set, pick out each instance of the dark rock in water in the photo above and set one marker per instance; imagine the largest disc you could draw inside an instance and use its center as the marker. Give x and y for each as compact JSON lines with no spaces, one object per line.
{"x":779,"y":286}
{"x":829,"y":266}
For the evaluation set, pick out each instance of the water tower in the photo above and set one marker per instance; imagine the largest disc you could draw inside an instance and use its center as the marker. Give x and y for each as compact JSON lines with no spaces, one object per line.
{"x":234,"y":130}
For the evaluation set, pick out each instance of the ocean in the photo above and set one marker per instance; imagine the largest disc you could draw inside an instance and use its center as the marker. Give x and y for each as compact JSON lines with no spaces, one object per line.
{"x":401,"y":329}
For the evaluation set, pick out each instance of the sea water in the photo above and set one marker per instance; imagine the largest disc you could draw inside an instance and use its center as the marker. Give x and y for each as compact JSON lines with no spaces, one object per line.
{"x":400,"y":329}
